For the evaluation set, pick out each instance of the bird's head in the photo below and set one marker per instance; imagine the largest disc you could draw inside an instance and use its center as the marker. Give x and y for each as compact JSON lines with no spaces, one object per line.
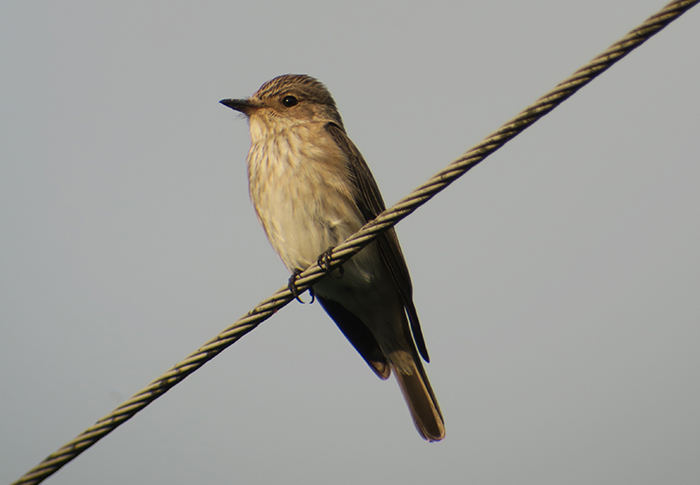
{"x":287,"y":101}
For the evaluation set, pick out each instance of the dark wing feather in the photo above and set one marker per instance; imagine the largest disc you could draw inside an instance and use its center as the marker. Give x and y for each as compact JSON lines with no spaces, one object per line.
{"x":370,"y":202}
{"x":359,"y":336}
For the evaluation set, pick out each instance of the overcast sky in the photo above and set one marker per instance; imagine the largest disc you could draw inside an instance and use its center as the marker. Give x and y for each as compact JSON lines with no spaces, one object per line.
{"x":557,"y":283}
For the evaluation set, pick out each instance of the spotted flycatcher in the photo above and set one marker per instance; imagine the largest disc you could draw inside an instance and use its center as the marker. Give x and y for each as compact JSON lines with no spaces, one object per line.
{"x":312,"y":189}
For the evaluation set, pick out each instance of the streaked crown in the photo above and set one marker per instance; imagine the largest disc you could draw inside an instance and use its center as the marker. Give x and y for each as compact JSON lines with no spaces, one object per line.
{"x":301,"y":85}
{"x":295,"y":97}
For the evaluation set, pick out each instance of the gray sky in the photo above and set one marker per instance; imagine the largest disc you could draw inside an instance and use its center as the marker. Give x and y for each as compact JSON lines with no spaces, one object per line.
{"x":557,"y":282}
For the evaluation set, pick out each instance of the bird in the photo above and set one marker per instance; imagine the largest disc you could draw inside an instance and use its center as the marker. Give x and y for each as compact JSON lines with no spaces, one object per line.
{"x":311,"y":189}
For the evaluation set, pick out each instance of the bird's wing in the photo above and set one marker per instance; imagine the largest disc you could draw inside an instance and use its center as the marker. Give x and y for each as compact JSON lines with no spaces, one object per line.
{"x":369,"y":201}
{"x":358,"y":335}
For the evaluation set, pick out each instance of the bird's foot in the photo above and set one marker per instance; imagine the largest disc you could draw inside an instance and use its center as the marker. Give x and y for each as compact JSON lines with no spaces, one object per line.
{"x":324,"y":262}
{"x":292,"y":286}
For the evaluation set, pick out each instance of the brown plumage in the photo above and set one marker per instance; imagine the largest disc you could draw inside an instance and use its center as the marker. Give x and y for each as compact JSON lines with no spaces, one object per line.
{"x":311,"y":189}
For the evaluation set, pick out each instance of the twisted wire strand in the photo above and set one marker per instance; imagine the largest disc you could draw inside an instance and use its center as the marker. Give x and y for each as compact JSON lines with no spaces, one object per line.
{"x":357,"y":241}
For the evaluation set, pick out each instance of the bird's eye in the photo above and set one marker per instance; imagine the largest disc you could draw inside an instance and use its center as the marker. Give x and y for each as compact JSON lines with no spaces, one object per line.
{"x":289,"y":101}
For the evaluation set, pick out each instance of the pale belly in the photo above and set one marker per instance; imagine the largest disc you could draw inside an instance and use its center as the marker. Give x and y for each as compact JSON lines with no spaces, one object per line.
{"x":305,"y":202}
{"x":301,"y":225}
{"x":304,"y":213}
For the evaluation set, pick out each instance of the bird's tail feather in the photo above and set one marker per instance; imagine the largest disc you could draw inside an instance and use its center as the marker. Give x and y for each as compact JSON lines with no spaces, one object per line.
{"x":420,"y":398}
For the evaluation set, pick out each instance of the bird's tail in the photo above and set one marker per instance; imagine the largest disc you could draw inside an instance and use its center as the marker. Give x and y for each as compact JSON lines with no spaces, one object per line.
{"x":420,"y":398}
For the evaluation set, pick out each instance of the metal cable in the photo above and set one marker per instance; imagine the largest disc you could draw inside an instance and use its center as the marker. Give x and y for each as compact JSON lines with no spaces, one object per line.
{"x":357,"y":241}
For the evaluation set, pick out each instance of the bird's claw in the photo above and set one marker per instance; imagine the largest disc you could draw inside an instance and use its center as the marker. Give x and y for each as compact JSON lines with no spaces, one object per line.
{"x":324,"y":262}
{"x":292,"y":287}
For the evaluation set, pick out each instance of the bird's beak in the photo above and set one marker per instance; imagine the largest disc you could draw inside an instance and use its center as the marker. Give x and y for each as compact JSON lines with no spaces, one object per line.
{"x":243,"y":105}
